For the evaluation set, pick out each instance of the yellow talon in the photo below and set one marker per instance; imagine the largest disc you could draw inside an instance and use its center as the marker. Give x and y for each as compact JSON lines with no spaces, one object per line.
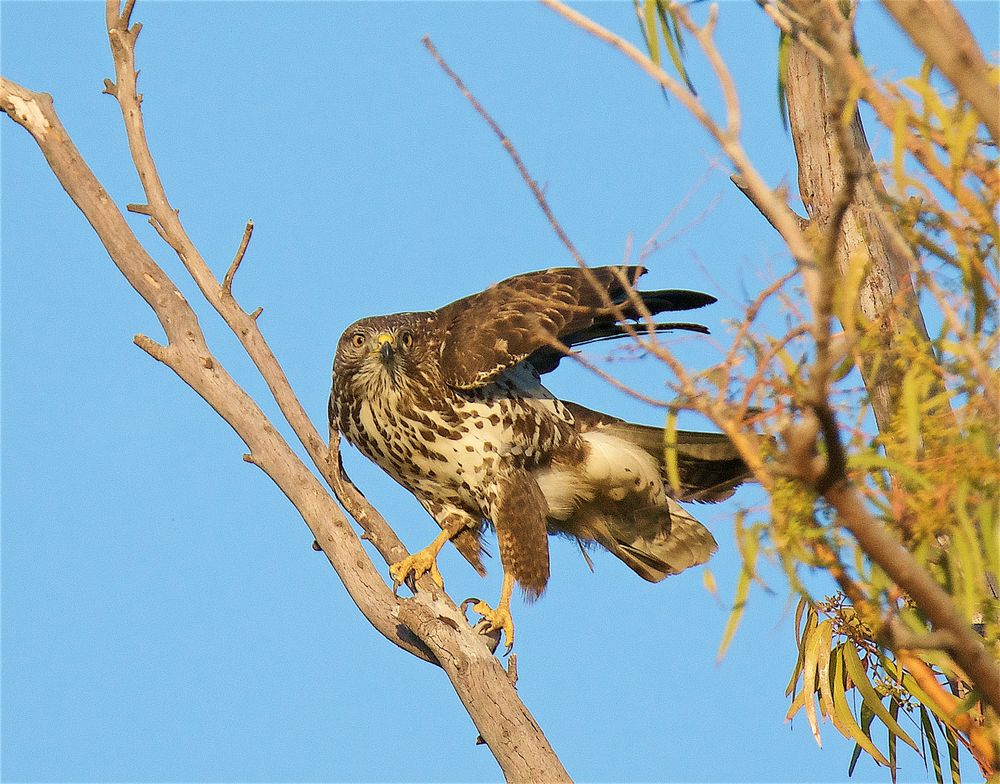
{"x":499,"y":619}
{"x":417,"y":565}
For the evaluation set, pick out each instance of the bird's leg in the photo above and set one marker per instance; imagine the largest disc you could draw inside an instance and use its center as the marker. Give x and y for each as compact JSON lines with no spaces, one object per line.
{"x":499,"y":619}
{"x":424,"y":561}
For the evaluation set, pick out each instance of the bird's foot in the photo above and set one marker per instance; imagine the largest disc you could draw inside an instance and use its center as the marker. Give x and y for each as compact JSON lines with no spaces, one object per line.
{"x":499,"y":620}
{"x":416,"y":566}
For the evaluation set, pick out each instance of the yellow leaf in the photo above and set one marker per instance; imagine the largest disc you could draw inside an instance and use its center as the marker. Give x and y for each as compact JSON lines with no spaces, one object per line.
{"x":870,"y":698}
{"x":739,"y":604}
{"x":709,"y":580}
{"x":670,"y":452}
{"x":825,"y":697}
{"x":842,"y":716}
{"x":809,"y":680}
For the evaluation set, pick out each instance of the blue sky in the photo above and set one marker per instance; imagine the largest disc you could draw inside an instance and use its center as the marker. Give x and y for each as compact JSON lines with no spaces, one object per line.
{"x":164,"y":618}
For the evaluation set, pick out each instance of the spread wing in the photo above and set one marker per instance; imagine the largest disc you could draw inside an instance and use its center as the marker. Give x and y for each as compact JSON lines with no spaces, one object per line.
{"x":518,"y":318}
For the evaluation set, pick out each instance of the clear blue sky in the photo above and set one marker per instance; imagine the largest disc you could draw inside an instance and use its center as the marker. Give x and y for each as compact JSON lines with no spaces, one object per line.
{"x":164,"y":617}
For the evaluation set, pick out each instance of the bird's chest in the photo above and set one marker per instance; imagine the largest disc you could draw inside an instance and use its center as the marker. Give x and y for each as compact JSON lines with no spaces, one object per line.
{"x":456,"y":449}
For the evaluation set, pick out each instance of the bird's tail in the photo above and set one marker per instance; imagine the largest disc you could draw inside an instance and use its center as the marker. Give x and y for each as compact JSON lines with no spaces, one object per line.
{"x":657,"y":542}
{"x":709,"y":467}
{"x":620,"y":496}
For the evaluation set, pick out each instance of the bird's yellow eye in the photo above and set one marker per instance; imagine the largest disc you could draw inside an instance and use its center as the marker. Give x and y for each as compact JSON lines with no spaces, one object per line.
{"x":358,"y":339}
{"x":406,"y":339}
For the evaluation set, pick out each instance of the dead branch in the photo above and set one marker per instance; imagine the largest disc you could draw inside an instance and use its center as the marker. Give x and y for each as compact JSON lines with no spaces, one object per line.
{"x":227,"y":281}
{"x":428,"y":625}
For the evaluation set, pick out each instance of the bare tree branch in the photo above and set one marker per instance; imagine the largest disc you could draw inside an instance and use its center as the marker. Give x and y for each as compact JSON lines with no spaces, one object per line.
{"x":428,"y":625}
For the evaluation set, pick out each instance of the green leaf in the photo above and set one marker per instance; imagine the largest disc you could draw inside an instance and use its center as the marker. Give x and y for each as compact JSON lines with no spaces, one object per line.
{"x":736,"y":614}
{"x":866,"y":723}
{"x":928,"y":727}
{"x":910,"y":404}
{"x":672,"y":33}
{"x":870,"y":698}
{"x":876,"y":462}
{"x":842,"y":716}
{"x":894,"y":712}
{"x":952,"y":741}
{"x":784,"y":47}
{"x":966,"y":555}
{"x":810,"y":619}
{"x":652,"y":39}
{"x":812,"y":644}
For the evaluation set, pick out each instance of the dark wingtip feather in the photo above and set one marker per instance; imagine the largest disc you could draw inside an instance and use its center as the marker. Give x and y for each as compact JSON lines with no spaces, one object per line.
{"x":675,"y":299}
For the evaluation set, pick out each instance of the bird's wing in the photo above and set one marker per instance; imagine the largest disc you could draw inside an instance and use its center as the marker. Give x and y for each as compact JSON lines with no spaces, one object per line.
{"x":489,"y":332}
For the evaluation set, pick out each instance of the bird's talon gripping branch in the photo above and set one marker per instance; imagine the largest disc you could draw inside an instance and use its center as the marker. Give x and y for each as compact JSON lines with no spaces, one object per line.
{"x":498,"y":620}
{"x":417,"y":565}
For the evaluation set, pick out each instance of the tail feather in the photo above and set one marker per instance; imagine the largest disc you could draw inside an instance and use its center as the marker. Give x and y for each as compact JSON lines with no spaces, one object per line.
{"x":710,"y":468}
{"x":654,"y":542}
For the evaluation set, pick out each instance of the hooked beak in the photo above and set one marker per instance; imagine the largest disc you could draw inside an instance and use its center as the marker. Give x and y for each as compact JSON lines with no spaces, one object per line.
{"x":386,"y":351}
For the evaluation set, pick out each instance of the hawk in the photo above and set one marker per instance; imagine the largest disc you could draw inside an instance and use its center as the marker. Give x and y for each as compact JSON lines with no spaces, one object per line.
{"x":450,"y":404}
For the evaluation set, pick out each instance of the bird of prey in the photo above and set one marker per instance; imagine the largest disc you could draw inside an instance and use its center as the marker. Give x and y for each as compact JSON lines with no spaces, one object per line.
{"x":450,"y":404}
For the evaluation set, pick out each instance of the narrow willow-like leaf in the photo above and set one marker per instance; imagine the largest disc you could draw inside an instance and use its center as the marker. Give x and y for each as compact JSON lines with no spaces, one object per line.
{"x":810,"y":617}
{"x":809,"y":667}
{"x":847,"y":294}
{"x":953,"y":762}
{"x":894,"y":712}
{"x":870,"y":698}
{"x":670,"y":449}
{"x":842,"y":716}
{"x":672,"y":39}
{"x":970,"y":553}
{"x":708,"y":579}
{"x":928,"y":727}
{"x":966,"y":567}
{"x":932,"y":103}
{"x":909,"y":683}
{"x":910,"y":404}
{"x":652,"y":39}
{"x":800,"y":607}
{"x":784,"y":47}
{"x":867,"y":716}
{"x":875,"y":462}
{"x":736,"y":614}
{"x":823,"y":668}
{"x":900,"y":131}
{"x":797,"y":704}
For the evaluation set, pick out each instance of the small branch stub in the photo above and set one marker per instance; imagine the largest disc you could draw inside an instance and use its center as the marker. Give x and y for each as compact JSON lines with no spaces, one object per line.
{"x":227,"y":281}
{"x":156,"y":350}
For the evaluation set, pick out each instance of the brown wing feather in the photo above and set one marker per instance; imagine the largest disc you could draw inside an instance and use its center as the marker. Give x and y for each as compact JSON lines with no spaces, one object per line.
{"x":486,"y":333}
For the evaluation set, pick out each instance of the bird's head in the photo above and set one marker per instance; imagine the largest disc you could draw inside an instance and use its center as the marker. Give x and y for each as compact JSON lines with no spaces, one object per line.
{"x":380,"y":352}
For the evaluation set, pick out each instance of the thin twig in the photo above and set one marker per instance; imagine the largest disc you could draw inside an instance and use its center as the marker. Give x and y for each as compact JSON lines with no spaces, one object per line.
{"x":227,"y":281}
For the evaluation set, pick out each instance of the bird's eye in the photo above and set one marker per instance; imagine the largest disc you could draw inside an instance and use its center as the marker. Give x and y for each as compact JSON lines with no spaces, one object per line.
{"x":358,"y":339}
{"x":406,"y":339}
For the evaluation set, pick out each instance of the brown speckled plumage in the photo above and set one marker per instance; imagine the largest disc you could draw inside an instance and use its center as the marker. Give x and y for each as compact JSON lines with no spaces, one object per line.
{"x":450,"y":404}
